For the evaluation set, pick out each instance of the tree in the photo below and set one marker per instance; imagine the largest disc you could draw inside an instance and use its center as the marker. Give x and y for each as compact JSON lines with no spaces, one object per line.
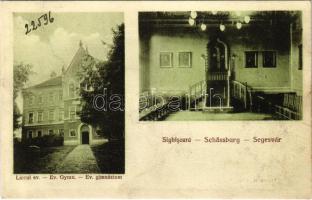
{"x":21,"y":74}
{"x":105,"y":89}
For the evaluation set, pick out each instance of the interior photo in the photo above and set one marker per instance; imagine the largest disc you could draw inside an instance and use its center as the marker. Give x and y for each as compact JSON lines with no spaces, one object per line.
{"x":220,"y":65}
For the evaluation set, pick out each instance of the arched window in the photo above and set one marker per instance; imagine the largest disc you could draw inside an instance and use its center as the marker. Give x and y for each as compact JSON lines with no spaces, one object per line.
{"x":71,"y":90}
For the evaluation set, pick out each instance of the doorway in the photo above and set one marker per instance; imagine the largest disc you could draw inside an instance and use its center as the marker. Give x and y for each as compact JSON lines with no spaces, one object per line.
{"x":85,"y":134}
{"x":85,"y":137}
{"x":217,"y":74}
{"x":216,"y":57}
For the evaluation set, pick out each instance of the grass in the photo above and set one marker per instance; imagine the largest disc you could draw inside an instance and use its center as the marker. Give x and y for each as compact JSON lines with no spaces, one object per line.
{"x":110,"y":157}
{"x":42,"y":161}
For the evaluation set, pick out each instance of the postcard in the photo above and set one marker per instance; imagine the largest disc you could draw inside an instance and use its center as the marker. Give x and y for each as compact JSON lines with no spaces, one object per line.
{"x":147,"y":99}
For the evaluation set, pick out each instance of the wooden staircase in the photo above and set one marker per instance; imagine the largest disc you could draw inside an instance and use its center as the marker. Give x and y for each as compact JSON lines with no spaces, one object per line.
{"x":202,"y":98}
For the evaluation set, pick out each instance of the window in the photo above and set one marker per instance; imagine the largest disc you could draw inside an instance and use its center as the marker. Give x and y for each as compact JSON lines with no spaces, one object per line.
{"x":165,"y":59}
{"x":30,"y":134}
{"x":31,"y":100}
{"x":51,"y":98}
{"x":72,"y":113}
{"x":300,"y":57}
{"x":61,"y":132}
{"x":31,"y":118}
{"x":51,"y":115}
{"x":185,"y":59}
{"x":66,"y":113}
{"x":60,"y":95}
{"x":251,"y":59}
{"x":40,"y":99}
{"x":269,"y":58}
{"x":39,"y":133}
{"x":61,"y":115}
{"x":72,"y":133}
{"x":26,"y":100}
{"x":51,"y":132}
{"x":71,"y":90}
{"x":40,"y":116}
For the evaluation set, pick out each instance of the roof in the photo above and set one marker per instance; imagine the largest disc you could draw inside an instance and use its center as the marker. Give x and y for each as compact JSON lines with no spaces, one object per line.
{"x":55,"y":81}
{"x":81,"y":52}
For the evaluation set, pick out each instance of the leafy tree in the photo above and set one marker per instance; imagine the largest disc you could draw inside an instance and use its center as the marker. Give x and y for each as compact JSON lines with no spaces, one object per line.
{"x":21,"y":74}
{"x":103,"y":94}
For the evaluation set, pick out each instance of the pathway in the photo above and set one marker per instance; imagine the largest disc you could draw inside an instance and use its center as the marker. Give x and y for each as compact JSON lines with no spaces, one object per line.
{"x":80,"y":161}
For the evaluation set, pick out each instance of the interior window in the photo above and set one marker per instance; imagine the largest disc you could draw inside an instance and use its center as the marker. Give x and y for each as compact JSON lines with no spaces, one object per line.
{"x":185,"y":59}
{"x":251,"y":59}
{"x":269,"y":58}
{"x":165,"y":59}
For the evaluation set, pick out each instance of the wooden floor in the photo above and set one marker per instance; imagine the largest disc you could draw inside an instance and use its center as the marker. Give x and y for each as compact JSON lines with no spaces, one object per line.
{"x":206,"y":116}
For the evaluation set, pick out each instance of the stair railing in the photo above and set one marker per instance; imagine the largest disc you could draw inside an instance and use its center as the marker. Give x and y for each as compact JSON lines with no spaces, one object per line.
{"x":243,"y":93}
{"x":197,"y":91}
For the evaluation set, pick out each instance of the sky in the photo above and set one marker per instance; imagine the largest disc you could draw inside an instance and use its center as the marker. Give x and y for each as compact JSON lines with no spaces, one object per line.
{"x":52,"y":46}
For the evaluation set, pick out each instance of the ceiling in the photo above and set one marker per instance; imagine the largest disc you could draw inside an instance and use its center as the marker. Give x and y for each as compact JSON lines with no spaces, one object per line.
{"x":181,"y":19}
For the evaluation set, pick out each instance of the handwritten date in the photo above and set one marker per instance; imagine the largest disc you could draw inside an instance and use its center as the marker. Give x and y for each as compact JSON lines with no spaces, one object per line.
{"x":42,"y":20}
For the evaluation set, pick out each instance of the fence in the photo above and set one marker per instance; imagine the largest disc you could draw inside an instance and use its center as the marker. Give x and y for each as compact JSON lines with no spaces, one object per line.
{"x":156,"y":106}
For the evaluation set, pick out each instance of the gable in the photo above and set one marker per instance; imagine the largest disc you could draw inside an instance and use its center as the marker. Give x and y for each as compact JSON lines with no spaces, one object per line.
{"x":76,"y":62}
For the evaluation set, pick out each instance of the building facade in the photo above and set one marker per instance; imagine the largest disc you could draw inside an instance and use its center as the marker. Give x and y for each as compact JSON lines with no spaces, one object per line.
{"x":51,"y":107}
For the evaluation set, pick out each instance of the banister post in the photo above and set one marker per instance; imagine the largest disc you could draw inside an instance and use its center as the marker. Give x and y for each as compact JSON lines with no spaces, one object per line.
{"x":245,"y":96}
{"x":189,"y":97}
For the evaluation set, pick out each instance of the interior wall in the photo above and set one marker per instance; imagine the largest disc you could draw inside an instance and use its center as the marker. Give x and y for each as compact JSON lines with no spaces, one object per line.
{"x":261,"y":77}
{"x":297,"y":82}
{"x":144,"y":63}
{"x":238,"y":41}
{"x":176,"y":79}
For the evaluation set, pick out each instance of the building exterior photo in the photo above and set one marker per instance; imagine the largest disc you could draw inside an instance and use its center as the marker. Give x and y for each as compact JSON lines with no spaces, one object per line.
{"x":221,"y":62}
{"x":50,"y":108}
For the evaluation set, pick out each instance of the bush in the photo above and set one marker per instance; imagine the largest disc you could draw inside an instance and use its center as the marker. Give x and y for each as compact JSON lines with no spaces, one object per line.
{"x":45,"y":141}
{"x":17,"y":142}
